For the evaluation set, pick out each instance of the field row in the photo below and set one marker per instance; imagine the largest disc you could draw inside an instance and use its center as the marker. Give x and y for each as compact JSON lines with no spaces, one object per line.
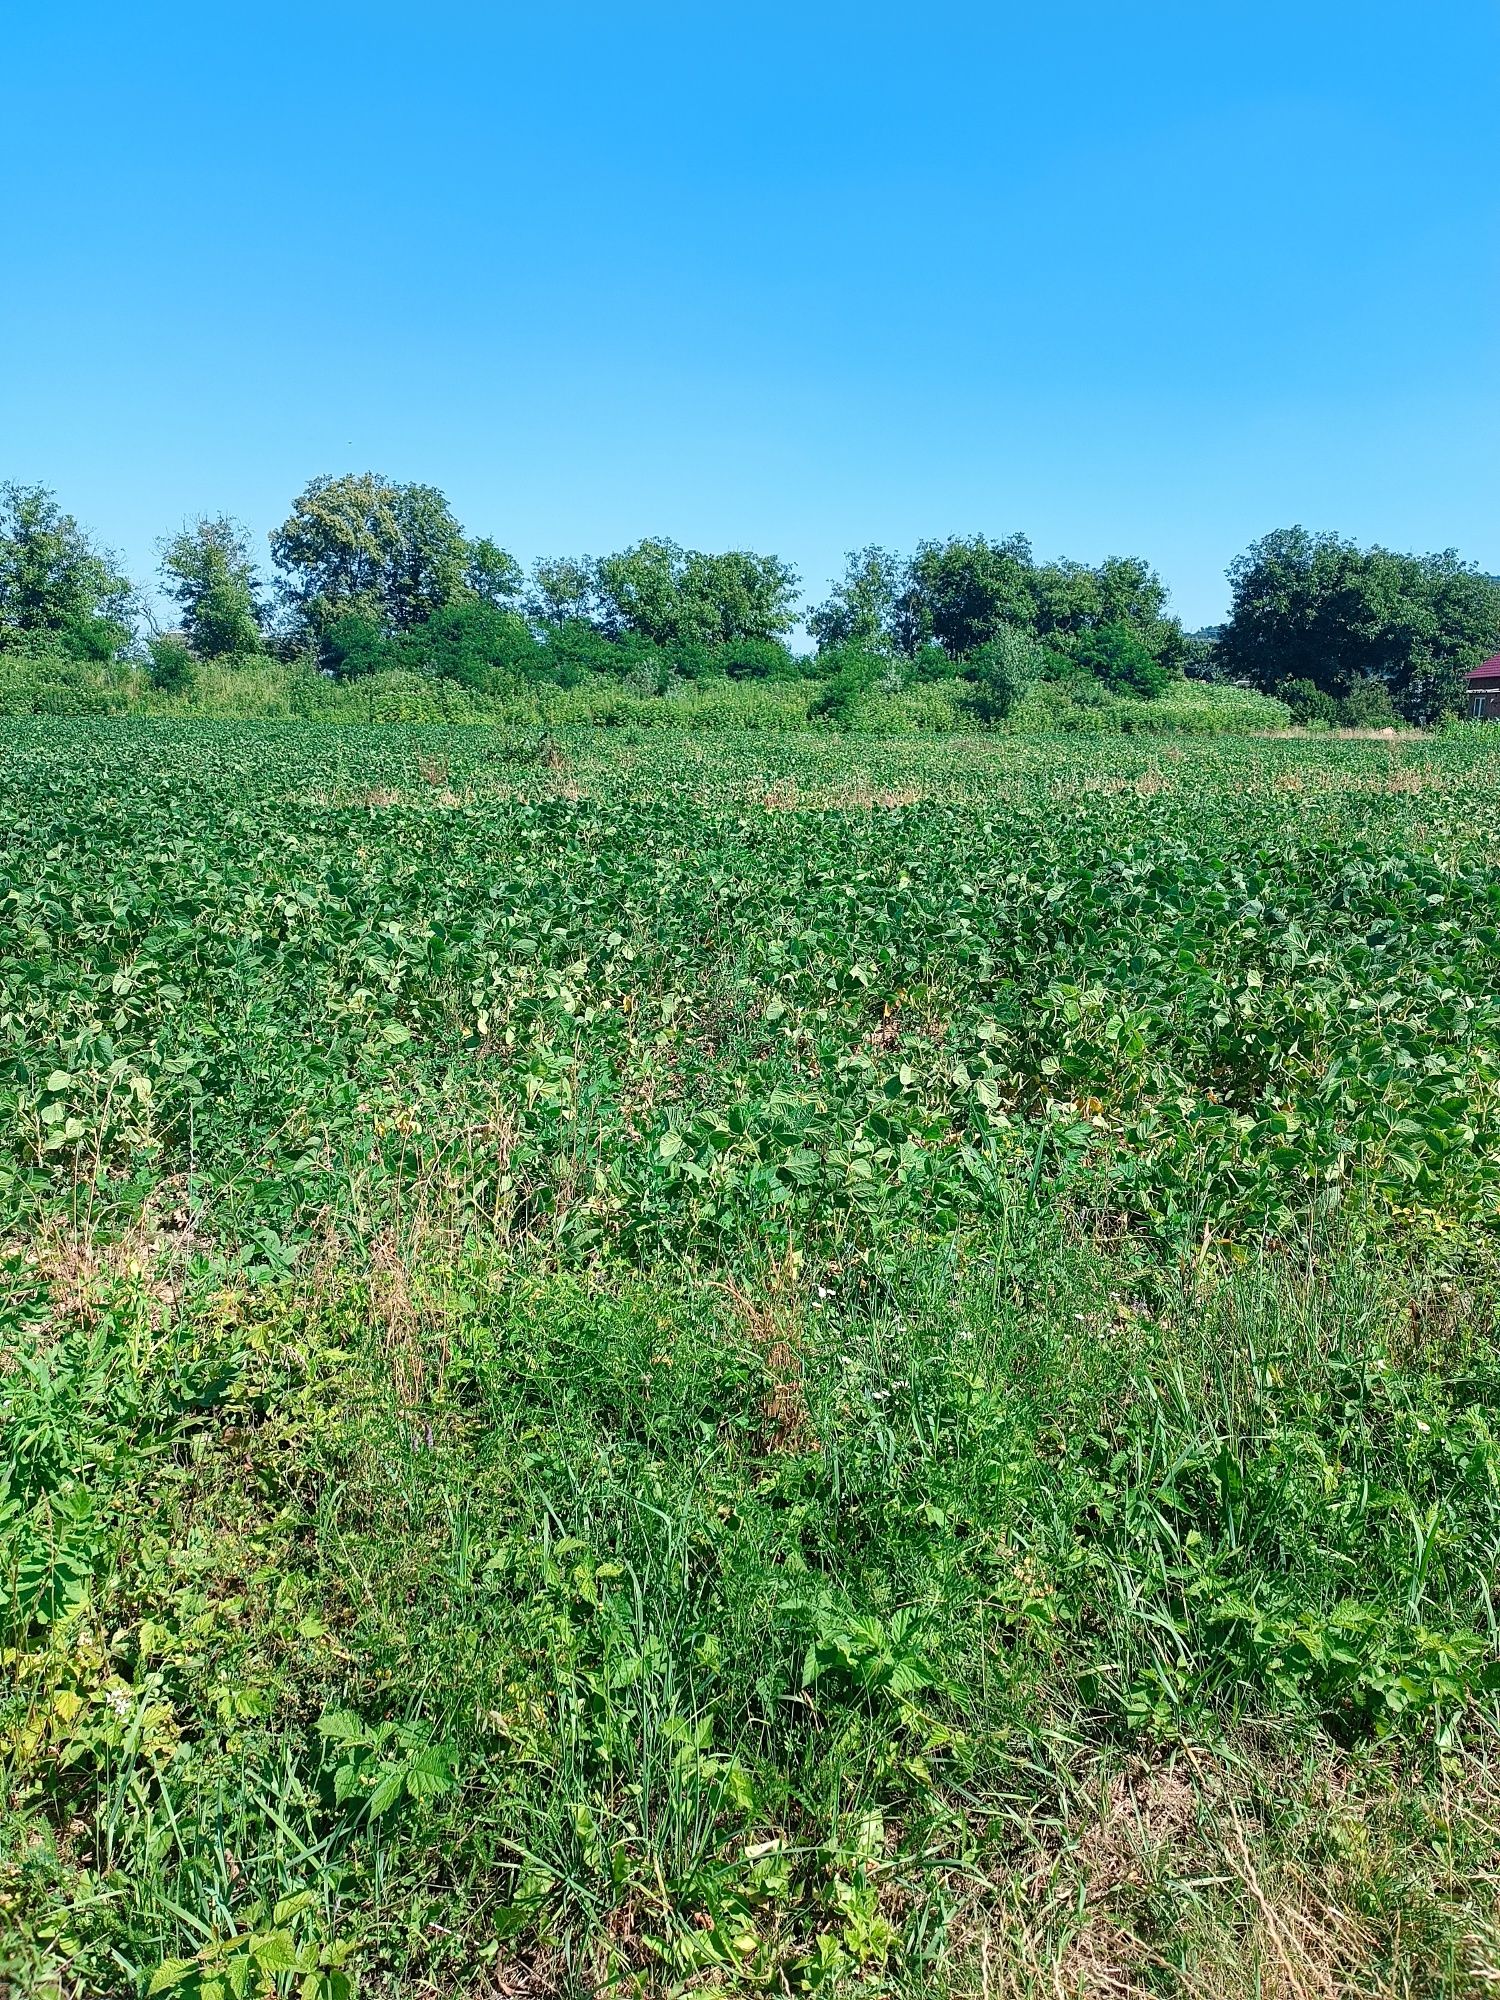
{"x":678,"y":1000}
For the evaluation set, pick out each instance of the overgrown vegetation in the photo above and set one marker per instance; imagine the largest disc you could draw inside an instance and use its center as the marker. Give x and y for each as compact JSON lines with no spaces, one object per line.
{"x":778,"y":1366}
{"x":268,"y":688}
{"x":377,"y":581}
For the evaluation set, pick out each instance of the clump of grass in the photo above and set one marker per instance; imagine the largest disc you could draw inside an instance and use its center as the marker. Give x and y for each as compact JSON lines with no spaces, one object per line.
{"x":490,"y":1622}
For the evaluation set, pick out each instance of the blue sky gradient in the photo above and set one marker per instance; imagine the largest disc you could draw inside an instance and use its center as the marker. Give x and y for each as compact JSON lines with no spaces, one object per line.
{"x":1148,"y":279}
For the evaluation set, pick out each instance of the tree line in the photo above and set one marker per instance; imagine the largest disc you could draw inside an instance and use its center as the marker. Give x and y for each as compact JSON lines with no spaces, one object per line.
{"x":369,"y":575}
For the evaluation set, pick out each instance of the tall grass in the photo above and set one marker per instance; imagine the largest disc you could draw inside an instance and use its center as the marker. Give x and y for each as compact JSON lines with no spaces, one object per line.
{"x":284,"y":690}
{"x":960,"y":1619}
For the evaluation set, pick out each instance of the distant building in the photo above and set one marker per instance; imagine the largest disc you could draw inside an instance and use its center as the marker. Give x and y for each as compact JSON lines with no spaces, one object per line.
{"x":1484,"y":691}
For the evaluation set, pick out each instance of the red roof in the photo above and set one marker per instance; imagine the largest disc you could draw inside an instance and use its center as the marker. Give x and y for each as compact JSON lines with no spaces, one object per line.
{"x":1487,"y":671}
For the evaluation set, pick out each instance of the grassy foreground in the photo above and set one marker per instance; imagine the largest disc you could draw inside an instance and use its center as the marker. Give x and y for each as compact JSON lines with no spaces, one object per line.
{"x":630,"y":1369}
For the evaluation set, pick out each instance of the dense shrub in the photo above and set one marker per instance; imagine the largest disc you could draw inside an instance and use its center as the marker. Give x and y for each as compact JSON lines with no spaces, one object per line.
{"x":849,"y":673}
{"x":171,"y":663}
{"x":1308,"y":702}
{"x":1368,"y":705}
{"x":42,"y":683}
{"x":354,"y":645}
{"x":870,"y":694}
{"x":756,"y":660}
{"x":408,"y":697}
{"x":479,"y":645}
{"x":919,"y":708}
{"x":1002,"y":672}
{"x":1121,"y":659}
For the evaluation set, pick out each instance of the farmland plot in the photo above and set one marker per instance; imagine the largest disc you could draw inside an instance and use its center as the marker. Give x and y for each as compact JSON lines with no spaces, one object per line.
{"x":763,"y":1364}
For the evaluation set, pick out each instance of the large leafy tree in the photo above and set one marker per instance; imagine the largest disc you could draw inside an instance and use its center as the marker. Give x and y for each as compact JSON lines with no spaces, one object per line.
{"x":562,"y":591}
{"x":207,"y":567}
{"x":364,"y":545}
{"x":57,"y":588}
{"x":493,"y":575}
{"x":1076,"y":604}
{"x":675,"y":596}
{"x":1072,"y":598}
{"x":968,"y":592}
{"x":1117,"y":654}
{"x":1319,"y":610}
{"x":861,"y":608}
{"x":963,"y":592}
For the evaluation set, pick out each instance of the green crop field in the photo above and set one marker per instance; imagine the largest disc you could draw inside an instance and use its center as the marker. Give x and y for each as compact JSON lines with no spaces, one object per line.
{"x":634,"y":1363}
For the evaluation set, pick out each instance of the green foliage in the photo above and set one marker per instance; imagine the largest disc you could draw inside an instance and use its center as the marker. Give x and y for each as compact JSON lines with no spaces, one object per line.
{"x":575,"y":675}
{"x":478,"y":644}
{"x":57,"y":590}
{"x":633,"y":1365}
{"x":377,"y":1766}
{"x":354,"y":644}
{"x":577,"y":1653}
{"x":1368,"y":705}
{"x":965,"y":593}
{"x":1003,"y":670}
{"x":751,"y":660}
{"x":1317,"y":608}
{"x":1193,"y":708}
{"x":861,"y":610}
{"x":672,"y":596}
{"x":254,"y":1956}
{"x":961,"y":592}
{"x":208,"y":569}
{"x":1239,"y":1078}
{"x":850,"y":673}
{"x":1120,"y":658}
{"x":561,"y":591}
{"x":363,"y":546}
{"x":576,"y":649}
{"x":171,"y":663}
{"x":919,"y":706}
{"x":1310,"y":703}
{"x":36,"y":682}
{"x":493,"y":575}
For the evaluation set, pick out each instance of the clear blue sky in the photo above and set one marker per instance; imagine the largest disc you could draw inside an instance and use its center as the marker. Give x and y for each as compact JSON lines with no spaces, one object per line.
{"x":1136,"y":279}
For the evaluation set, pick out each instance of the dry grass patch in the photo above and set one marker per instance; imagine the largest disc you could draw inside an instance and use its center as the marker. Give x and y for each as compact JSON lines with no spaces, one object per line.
{"x":773,"y":1323}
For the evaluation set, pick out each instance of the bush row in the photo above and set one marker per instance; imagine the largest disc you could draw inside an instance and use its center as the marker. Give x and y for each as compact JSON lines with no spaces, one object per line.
{"x":44,"y":685}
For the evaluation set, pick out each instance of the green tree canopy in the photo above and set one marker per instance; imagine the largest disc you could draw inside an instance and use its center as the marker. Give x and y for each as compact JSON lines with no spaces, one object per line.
{"x":962,"y":592}
{"x":1316,"y":609}
{"x":1118,"y":655}
{"x":207,"y":567}
{"x":676,"y":596}
{"x":493,"y":575}
{"x":966,"y":593}
{"x":362,"y":544}
{"x":860,"y":610}
{"x":561,"y":591}
{"x":1005,"y":668}
{"x":56,"y":587}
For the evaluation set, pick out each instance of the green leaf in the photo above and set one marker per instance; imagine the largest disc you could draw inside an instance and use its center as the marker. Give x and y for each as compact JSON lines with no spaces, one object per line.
{"x":292,"y":1906}
{"x":172,"y":1972}
{"x":387,"y":1792}
{"x":340,"y":1725}
{"x":274,"y":1952}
